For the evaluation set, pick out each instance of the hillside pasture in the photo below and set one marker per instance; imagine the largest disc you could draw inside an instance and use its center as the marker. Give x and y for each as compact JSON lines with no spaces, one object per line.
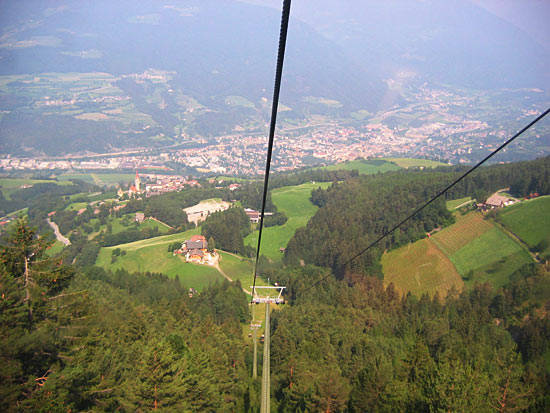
{"x":420,"y":268}
{"x":152,"y":255}
{"x":82,"y":177}
{"x":238,"y":268}
{"x":485,"y":250}
{"x":76,"y":206}
{"x":529,"y":220}
{"x":294,"y":202}
{"x":498,"y":273}
{"x":363,"y":166}
{"x":10,"y":185}
{"x":455,"y":203}
{"x":473,"y":248}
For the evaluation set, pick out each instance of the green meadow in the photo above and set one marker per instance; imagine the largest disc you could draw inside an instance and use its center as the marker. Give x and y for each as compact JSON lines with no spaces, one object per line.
{"x":294,"y":202}
{"x":10,"y":185}
{"x":530,"y":220}
{"x":489,"y":248}
{"x":363,"y":166}
{"x":455,"y":203}
{"x":152,"y":255}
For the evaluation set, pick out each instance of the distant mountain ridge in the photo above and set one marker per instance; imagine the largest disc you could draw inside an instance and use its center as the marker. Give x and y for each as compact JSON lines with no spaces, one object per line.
{"x":453,"y":42}
{"x":218,"y":48}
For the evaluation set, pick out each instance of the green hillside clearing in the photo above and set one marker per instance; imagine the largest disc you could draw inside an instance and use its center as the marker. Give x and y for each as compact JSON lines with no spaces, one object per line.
{"x":455,"y":203}
{"x":367,"y":167}
{"x":152,"y":255}
{"x":294,"y":202}
{"x":530,"y":220}
{"x":489,"y":248}
{"x":9,"y":185}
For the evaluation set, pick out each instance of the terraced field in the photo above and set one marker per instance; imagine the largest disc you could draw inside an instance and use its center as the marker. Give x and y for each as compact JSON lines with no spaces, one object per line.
{"x":420,"y":268}
{"x":473,"y":248}
{"x":466,"y":229}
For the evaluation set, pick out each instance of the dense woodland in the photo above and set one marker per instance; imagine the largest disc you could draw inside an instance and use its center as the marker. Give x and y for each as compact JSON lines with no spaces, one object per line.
{"x":228,"y":229}
{"x":87,"y":340}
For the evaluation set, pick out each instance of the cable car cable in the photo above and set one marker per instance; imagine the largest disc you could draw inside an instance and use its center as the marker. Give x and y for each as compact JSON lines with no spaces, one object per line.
{"x":275,"y":105}
{"x":391,"y":231}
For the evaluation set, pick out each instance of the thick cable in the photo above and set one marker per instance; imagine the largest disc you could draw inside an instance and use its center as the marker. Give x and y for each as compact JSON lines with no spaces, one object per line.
{"x":393,"y":229}
{"x":275,"y":106}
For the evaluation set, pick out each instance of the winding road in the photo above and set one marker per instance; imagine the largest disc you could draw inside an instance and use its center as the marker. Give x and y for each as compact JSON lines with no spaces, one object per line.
{"x":58,"y":234}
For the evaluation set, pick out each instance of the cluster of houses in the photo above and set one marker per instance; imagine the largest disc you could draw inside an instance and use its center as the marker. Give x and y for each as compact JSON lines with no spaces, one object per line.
{"x":163,"y":184}
{"x":195,"y":250}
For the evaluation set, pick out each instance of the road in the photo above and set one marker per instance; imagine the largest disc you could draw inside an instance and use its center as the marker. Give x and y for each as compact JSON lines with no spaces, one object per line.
{"x":58,"y":234}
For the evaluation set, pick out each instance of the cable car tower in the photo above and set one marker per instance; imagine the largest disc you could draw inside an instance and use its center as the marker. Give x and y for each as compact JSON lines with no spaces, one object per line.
{"x":266,"y":299}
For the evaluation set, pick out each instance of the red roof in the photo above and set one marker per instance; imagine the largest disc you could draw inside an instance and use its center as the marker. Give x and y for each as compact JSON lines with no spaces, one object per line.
{"x":195,"y":238}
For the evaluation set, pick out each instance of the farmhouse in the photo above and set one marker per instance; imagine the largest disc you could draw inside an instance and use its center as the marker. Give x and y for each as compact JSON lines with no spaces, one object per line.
{"x":498,"y":201}
{"x":195,"y":250}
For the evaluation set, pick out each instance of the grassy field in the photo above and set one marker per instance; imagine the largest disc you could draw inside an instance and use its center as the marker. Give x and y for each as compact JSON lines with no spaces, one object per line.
{"x":530,"y":220}
{"x":420,"y":268}
{"x":117,"y":225}
{"x":473,"y":248}
{"x":455,"y":203}
{"x":491,"y":247}
{"x":83,"y":177}
{"x":366,"y":167}
{"x":411,"y":163}
{"x":55,"y":249}
{"x":294,"y":202}
{"x":107,"y":179}
{"x":498,"y":273}
{"x":153,"y":255}
{"x":8,"y":185}
{"x":76,"y":206}
{"x":238,"y":268}
{"x":112,"y":179}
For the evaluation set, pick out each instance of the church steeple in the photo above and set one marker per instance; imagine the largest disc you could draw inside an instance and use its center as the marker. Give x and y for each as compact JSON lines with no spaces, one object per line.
{"x":137,"y":182}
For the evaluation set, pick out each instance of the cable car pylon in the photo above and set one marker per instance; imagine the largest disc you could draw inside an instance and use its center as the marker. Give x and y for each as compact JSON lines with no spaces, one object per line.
{"x":254,"y":326}
{"x":265,"y":401}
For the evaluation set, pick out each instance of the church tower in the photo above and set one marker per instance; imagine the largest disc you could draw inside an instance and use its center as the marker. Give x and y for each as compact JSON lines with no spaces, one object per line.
{"x":137,"y":182}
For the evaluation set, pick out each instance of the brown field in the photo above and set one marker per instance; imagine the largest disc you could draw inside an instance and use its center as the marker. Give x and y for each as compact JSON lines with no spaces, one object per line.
{"x":420,"y":268}
{"x":467,"y":228}
{"x":92,"y":116}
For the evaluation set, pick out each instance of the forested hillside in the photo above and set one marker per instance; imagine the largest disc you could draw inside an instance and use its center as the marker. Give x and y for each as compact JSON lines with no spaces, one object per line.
{"x":106,"y":342}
